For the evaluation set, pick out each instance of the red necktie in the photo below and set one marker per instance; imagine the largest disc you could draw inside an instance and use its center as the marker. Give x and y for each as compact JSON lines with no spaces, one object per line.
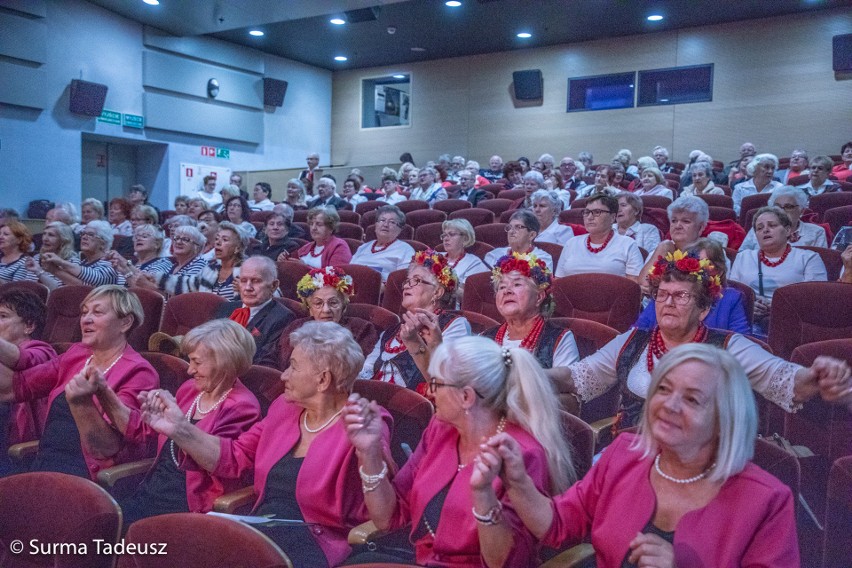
{"x":241,"y":316}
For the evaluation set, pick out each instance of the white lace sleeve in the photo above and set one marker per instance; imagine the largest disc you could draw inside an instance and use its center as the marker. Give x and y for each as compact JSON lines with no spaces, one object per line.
{"x":595,"y":374}
{"x":772,"y":377}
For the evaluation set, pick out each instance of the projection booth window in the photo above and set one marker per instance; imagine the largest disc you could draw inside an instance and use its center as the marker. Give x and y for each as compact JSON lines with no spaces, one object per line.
{"x":386,"y":101}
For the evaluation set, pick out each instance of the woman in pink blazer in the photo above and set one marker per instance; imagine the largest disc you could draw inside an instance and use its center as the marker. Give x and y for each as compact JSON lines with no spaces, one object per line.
{"x":325,"y":249}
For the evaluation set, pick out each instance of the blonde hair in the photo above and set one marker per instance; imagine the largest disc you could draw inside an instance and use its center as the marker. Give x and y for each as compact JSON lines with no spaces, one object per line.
{"x":332,"y":346}
{"x":230,"y":344}
{"x":122,"y":301}
{"x":464,"y":227}
{"x":66,"y":239}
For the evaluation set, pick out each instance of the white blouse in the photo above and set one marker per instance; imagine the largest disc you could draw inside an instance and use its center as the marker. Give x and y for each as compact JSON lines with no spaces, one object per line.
{"x":747,"y":188}
{"x":492,"y":257}
{"x":265,"y":205}
{"x":565,"y":353}
{"x":395,"y":257}
{"x":658,"y":189}
{"x":620,"y":257}
{"x":311,"y":260}
{"x":771,"y":376}
{"x":555,"y":233}
{"x":810,"y":235}
{"x":468,"y":265}
{"x":393,"y":199}
{"x":647,"y":236}
{"x":799,"y":266}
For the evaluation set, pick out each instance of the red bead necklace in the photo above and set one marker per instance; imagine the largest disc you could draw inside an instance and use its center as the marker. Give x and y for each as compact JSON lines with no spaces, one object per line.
{"x":375,"y":249}
{"x":530,"y":341}
{"x":657,"y":347}
{"x":313,"y":248}
{"x":762,"y":257}
{"x":603,"y":246}
{"x":454,"y":263}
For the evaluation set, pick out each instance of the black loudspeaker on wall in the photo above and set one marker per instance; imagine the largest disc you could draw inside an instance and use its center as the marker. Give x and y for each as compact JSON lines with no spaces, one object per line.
{"x":528,"y":85}
{"x":273,"y":92}
{"x":87,"y":98}
{"x":842,"y":48}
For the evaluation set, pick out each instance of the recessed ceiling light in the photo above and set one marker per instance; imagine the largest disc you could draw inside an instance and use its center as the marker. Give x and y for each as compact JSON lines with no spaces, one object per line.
{"x":341,"y":58}
{"x":654,"y":18}
{"x":524,"y":35}
{"x":337,"y":21}
{"x":152,"y":2}
{"x":664,"y":100}
{"x":418,"y":49}
{"x":399,"y":76}
{"x":453,"y":3}
{"x":256,"y":33}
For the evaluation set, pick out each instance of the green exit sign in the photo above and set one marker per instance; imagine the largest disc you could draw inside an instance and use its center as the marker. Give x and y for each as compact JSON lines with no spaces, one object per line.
{"x":110,"y":117}
{"x":223,"y":153}
{"x":134,"y":121}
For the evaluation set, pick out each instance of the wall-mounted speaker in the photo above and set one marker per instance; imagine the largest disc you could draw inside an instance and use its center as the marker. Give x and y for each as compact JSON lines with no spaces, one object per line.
{"x":87,"y":98}
{"x":528,"y":85}
{"x":842,"y":53}
{"x":273,"y":92}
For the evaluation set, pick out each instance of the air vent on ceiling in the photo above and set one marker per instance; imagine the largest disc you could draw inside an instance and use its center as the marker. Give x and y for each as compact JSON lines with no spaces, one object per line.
{"x":363,"y":15}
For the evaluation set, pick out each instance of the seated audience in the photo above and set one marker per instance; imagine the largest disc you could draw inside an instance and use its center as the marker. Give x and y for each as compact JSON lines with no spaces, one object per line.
{"x":147,"y":243}
{"x":92,"y":268}
{"x":386,"y":253}
{"x":480,"y":390}
{"x":208,"y":224}
{"x":793,"y":201}
{"x":391,"y":189}
{"x":91,"y":210}
{"x":495,"y":171}
{"x":275,"y":240}
{"x":820,"y":168}
{"x":473,"y":167}
{"x":661,"y":157}
{"x":181,"y":204}
{"x":798,"y":167}
{"x":652,"y":182}
{"x":227,"y":192}
{"x":603,"y":184}
{"x":702,"y":180}
{"x":208,"y":193}
{"x":546,"y":206}
{"x":295,"y":195}
{"x":429,"y":188}
{"x":196,"y":206}
{"x":237,"y":211}
{"x":187,"y":242}
{"x":458,"y":235}
{"x":143,"y":215}
{"x":119,"y":217}
{"x":762,"y":169}
{"x":351,"y":188}
{"x":58,"y":239}
{"x":326,"y":197}
{"x":533,"y":181}
{"x":627,"y":222}
{"x":521,"y":232}
{"x":843,"y":172}
{"x":513,"y":175}
{"x":603,"y":250}
{"x":325,"y":249}
{"x":15,"y":242}
{"x":261,"y":197}
{"x":467,"y":191}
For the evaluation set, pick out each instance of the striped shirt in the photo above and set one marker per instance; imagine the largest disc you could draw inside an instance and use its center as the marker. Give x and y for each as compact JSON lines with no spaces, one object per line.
{"x":98,"y":273}
{"x":159,"y":264}
{"x":16,"y":271}
{"x":207,"y":280}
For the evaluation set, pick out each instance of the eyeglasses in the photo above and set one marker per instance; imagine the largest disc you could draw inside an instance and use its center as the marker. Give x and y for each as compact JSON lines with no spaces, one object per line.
{"x":449,"y":235}
{"x":89,"y":234}
{"x":388,"y":222}
{"x":515,"y":228}
{"x":181,"y":240}
{"x":594,"y":212}
{"x":788,"y":207}
{"x":434,"y":385}
{"x":332,"y":303}
{"x":680,"y":298}
{"x":415,"y":281}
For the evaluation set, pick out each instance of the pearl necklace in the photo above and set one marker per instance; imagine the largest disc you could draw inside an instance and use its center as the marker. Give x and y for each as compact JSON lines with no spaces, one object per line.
{"x":111,"y":365}
{"x":771,"y":264}
{"x":196,"y":406}
{"x":501,"y":426}
{"x":594,"y":250}
{"x":324,"y":426}
{"x":692,"y":479}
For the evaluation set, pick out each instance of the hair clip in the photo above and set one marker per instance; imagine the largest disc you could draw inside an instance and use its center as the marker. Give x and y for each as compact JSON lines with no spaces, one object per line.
{"x":507,"y":357}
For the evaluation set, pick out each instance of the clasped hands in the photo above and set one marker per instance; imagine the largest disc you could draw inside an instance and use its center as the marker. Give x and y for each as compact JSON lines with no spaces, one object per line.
{"x":420,"y":328}
{"x":84,"y":384}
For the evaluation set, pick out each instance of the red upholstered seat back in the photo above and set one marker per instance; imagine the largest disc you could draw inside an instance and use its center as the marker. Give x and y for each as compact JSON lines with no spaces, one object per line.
{"x":808,"y":312}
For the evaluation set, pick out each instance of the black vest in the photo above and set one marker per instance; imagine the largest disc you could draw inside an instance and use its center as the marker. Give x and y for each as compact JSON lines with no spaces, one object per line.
{"x":547,"y":342}
{"x":403,"y":361}
{"x":631,"y":403}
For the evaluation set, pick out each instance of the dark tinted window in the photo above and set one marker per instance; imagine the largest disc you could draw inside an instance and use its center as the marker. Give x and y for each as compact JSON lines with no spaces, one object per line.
{"x":601,"y":92}
{"x":676,"y":86}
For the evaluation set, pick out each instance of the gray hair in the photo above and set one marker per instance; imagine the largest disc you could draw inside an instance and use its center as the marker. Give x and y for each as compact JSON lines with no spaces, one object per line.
{"x":690,"y":204}
{"x":526,"y":217}
{"x":429,"y":170}
{"x":103,"y":231}
{"x":181,"y":221}
{"x":241,"y":234}
{"x":148,"y":212}
{"x":655,"y":171}
{"x":62,"y":215}
{"x":633,"y":200}
{"x":284,"y":210}
{"x":825,"y":161}
{"x":231,"y":346}
{"x":535,"y":176}
{"x":547,"y":195}
{"x":459,"y":158}
{"x":646,"y":162}
{"x":736,"y":417}
{"x":586,"y":156}
{"x":759,"y":159}
{"x":661,"y":150}
{"x":392,"y":209}
{"x":231,"y":190}
{"x":546,"y":158}
{"x":328,"y":181}
{"x":332,"y":217}
{"x":197,"y":237}
{"x":472,"y":164}
{"x":268,"y":268}
{"x":464,"y":227}
{"x":331,"y":346}
{"x":95,"y":204}
{"x":702,"y":166}
{"x":66,"y":239}
{"x":153,"y":231}
{"x":799,"y":195}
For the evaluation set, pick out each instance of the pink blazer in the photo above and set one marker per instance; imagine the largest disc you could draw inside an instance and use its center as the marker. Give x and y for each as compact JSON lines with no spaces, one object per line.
{"x":131,"y":375}
{"x":233,"y":417}
{"x":328,"y":488}
{"x":432,"y":467}
{"x":335,"y":253}
{"x":751,"y":522}
{"x":27,"y":418}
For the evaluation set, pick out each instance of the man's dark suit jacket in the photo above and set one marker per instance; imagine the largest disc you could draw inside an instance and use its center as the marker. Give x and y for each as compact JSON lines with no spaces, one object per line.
{"x":474,"y":196}
{"x":266,"y":327}
{"x":335,"y":201}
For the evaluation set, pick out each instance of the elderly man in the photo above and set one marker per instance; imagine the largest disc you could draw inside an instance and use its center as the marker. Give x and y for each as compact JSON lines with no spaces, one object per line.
{"x":798,"y":167}
{"x":307,"y":175}
{"x":428,"y":188}
{"x":257,"y":310}
{"x":661,"y":156}
{"x":568,"y":170}
{"x":747,"y":149}
{"x":327,"y":196}
{"x":495,"y":171}
{"x":456,"y":166}
{"x":237,"y":180}
{"x":467,"y":191}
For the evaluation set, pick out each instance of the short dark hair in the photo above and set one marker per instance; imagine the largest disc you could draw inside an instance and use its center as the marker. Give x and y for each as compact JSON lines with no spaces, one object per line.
{"x":847,"y":145}
{"x":246,"y":213}
{"x":608,"y":200}
{"x":28,"y":306}
{"x":355,"y":181}
{"x":267,"y":189}
{"x":511,"y":167}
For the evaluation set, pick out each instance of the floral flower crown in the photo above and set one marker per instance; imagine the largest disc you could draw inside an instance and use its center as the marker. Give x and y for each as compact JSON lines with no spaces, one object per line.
{"x":437,"y":264}
{"x":527,"y":264}
{"x":320,"y":277}
{"x":702,"y":270}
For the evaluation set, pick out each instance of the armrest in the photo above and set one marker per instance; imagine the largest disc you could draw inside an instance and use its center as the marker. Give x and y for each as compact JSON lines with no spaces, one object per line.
{"x":110,"y":476}
{"x":364,"y":533}
{"x":19,"y":452}
{"x":230,"y":502}
{"x":571,"y":558}
{"x":602,"y":427}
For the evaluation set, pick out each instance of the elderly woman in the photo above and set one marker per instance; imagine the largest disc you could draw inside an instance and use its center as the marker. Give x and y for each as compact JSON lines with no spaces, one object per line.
{"x":90,"y":210}
{"x":473,"y":167}
{"x":227,"y":192}
{"x":208,"y":224}
{"x":143,"y":215}
{"x":147,"y":243}
{"x":215,"y":401}
{"x":702,"y":180}
{"x":603,"y":184}
{"x":387,"y":253}
{"x":181,"y":204}
{"x":623,"y":157}
{"x":680,"y":492}
{"x":402,"y":354}
{"x":627,"y":222}
{"x":325,"y":249}
{"x":762,"y":169}
{"x":295,"y":194}
{"x":351,"y":187}
{"x":522,"y":291}
{"x":820,"y":168}
{"x":521,"y":232}
{"x":775,"y":263}
{"x":546,"y":205}
{"x":533,"y":182}
{"x":685,"y":289}
{"x":57,"y":238}
{"x":603,"y":250}
{"x":187,"y":243}
{"x":739,"y":174}
{"x":727,"y":313}
{"x":93,"y":267}
{"x":404,"y":174}
{"x":843,"y":172}
{"x":513,"y":175}
{"x":304,"y":468}
{"x":237,"y":211}
{"x":390,"y":188}
{"x":77,"y":438}
{"x":119,"y":217}
{"x":15,"y":241}
{"x":22,"y":317}
{"x":276,"y":241}
{"x":195,"y":207}
{"x":652,"y":182}
{"x":261,"y":197}
{"x":456,"y":236}
{"x":325,"y":293}
{"x":479,"y":390}
{"x":793,"y":201}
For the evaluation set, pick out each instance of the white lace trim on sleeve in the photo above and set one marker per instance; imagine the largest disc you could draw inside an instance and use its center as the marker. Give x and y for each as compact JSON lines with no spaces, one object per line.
{"x":588,"y":384}
{"x":781,"y":386}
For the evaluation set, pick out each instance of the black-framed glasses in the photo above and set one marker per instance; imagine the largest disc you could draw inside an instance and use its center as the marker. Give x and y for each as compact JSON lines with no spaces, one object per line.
{"x":414,"y":281}
{"x":681,"y":297}
{"x":788,"y":207}
{"x":595,"y":212}
{"x":435,"y":385}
